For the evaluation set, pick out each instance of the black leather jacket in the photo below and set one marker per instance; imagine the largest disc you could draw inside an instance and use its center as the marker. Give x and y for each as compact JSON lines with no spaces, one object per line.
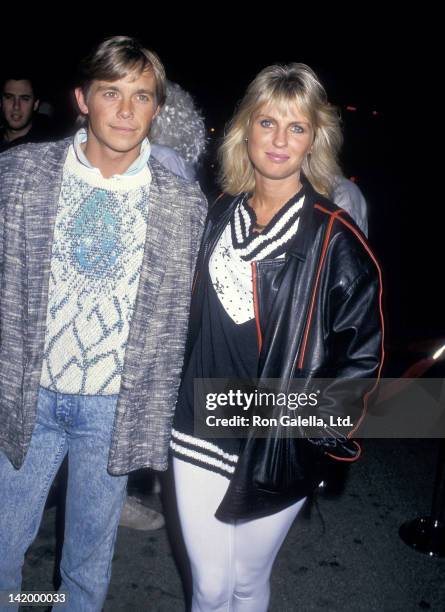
{"x":318,"y":314}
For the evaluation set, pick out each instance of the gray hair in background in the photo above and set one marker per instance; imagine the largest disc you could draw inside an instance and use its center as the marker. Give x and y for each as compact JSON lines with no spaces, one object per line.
{"x":180,"y":125}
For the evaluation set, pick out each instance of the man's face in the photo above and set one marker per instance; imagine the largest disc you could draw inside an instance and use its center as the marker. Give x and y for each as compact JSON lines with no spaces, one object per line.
{"x":120,"y":112}
{"x":18,"y":104}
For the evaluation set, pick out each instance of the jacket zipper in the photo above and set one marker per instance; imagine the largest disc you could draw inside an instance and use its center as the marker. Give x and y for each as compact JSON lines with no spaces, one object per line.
{"x":256,"y":308}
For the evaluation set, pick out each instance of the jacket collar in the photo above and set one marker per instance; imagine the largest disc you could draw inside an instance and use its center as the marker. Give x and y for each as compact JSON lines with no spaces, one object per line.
{"x":224,"y":206}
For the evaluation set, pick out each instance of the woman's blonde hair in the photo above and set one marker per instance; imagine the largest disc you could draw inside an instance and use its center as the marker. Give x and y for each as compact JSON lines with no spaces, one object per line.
{"x":283,"y":86}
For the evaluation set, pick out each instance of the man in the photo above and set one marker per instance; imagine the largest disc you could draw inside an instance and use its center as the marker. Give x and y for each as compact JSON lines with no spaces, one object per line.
{"x":19,"y":105}
{"x":98,"y":244}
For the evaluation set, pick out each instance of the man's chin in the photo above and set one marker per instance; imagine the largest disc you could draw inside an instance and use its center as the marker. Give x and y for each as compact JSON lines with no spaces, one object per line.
{"x":125,"y":147}
{"x":17,"y":125}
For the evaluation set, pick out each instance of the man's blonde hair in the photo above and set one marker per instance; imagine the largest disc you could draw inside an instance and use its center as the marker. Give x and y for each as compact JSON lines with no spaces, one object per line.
{"x":115,"y":58}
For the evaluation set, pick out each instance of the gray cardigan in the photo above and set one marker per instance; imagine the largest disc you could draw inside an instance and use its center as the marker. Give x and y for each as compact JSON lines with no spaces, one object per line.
{"x":30,"y":181}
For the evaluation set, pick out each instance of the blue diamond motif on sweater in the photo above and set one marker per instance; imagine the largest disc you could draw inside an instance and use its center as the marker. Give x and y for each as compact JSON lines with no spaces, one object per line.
{"x":96,"y":234}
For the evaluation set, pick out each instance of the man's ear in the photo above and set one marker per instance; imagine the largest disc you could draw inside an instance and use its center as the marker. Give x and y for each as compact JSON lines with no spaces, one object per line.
{"x":36,"y":105}
{"x":80,"y":98}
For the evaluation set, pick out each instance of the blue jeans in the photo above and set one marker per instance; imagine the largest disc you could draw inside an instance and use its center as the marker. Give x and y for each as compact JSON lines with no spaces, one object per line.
{"x":81,"y":426}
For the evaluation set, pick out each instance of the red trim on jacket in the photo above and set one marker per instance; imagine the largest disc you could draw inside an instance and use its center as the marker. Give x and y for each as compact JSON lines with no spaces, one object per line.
{"x":370,"y":253}
{"x":255,"y":306}
{"x":317,"y":280}
{"x":358,"y":455}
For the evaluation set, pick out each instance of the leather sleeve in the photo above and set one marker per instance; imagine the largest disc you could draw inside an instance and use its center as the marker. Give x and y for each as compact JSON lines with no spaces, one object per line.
{"x":354,"y":326}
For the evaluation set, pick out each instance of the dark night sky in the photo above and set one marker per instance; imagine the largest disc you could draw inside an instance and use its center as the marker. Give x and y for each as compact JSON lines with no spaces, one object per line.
{"x":370,"y":62}
{"x":218,"y":55}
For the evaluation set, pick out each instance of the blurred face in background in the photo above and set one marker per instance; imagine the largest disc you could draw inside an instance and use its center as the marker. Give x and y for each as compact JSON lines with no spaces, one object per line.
{"x":18,"y":105}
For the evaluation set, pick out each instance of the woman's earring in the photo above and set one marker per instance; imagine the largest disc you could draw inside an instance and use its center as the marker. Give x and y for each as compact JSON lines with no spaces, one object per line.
{"x":246,"y":140}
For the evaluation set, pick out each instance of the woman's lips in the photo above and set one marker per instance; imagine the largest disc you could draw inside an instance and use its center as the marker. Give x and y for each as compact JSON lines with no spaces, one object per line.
{"x":277,"y":157}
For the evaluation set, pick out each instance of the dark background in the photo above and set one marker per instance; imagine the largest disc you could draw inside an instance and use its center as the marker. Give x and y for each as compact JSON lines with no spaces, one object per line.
{"x":370,"y":61}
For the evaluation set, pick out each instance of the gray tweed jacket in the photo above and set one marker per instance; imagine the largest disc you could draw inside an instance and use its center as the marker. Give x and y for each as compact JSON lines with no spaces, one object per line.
{"x":30,"y":181}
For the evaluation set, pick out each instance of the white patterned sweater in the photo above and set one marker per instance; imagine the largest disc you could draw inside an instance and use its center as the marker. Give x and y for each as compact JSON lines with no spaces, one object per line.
{"x":97,"y":252}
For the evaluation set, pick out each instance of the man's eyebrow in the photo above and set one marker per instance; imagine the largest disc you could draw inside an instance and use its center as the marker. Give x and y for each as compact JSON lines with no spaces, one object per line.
{"x":147,"y":91}
{"x":8,"y":94}
{"x":115,"y":88}
{"x":102,"y":87}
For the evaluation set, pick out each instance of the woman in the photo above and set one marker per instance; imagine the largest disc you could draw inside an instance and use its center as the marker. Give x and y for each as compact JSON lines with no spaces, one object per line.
{"x":285,"y":288}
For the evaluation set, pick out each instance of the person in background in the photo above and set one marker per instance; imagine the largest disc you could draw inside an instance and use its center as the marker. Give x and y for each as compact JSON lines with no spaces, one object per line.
{"x":19,"y":104}
{"x":179,"y":128}
{"x":346,"y":194}
{"x":98,"y":243}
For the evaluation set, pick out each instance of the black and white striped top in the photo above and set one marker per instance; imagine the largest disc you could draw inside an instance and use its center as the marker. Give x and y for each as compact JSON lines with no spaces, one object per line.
{"x":274,"y":239}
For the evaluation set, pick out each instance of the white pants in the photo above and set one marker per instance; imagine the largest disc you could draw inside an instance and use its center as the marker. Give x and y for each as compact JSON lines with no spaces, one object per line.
{"x":231,"y":562}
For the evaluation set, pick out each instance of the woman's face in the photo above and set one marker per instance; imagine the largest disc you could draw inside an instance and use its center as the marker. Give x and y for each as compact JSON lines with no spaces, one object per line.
{"x":278,"y":142}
